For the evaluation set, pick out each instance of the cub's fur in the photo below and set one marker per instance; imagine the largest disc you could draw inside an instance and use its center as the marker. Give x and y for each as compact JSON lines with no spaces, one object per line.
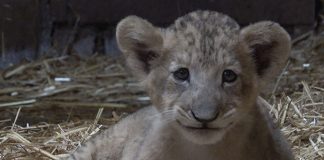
{"x":204,"y":75}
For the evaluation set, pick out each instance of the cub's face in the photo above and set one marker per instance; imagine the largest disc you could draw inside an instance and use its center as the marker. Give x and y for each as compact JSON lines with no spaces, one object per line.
{"x":203,"y":73}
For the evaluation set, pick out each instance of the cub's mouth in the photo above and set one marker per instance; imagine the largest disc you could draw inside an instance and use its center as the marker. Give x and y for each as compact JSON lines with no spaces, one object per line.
{"x":201,"y":127}
{"x":187,"y":122}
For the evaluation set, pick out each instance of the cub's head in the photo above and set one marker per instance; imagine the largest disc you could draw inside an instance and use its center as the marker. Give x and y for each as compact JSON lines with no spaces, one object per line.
{"x":203,"y":73}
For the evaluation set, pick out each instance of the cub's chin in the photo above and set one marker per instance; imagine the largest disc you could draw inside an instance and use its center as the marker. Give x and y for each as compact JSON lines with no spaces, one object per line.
{"x":201,"y":136}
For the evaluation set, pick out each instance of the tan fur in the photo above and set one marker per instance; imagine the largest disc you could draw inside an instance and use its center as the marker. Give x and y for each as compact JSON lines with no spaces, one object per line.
{"x":206,"y":43}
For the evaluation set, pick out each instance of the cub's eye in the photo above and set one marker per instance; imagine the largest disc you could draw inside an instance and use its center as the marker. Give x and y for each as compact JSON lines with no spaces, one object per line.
{"x":229,"y":76}
{"x":182,"y":74}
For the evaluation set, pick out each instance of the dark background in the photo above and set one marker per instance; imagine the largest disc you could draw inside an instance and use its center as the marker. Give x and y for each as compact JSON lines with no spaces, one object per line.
{"x":38,"y":28}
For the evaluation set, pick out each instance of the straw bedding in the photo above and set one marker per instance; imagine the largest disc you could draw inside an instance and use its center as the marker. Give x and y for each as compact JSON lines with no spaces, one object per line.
{"x":50,"y":106}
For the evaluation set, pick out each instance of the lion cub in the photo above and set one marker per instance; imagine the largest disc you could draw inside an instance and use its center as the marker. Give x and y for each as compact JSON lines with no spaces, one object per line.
{"x":203,"y":74}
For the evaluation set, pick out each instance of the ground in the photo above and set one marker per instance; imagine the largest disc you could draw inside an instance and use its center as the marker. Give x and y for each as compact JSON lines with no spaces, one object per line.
{"x":50,"y":106}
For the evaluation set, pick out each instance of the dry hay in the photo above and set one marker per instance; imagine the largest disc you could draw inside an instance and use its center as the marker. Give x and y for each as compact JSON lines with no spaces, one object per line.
{"x":49,"y":107}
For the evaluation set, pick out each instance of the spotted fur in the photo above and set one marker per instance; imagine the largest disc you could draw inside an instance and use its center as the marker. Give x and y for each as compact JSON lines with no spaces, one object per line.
{"x":203,"y":116}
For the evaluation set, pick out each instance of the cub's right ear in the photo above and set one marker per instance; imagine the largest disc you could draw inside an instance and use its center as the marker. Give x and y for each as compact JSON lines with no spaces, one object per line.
{"x":141,"y":44}
{"x":269,"y":46}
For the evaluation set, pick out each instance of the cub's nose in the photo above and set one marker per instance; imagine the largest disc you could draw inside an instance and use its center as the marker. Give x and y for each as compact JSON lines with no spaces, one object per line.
{"x":205,"y":118}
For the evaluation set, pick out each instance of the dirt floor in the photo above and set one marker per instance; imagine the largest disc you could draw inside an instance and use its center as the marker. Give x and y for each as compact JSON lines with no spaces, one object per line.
{"x":50,"y":106}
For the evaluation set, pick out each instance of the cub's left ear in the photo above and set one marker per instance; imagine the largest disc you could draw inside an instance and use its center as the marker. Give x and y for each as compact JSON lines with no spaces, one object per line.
{"x":269,"y":45}
{"x":141,"y":44}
